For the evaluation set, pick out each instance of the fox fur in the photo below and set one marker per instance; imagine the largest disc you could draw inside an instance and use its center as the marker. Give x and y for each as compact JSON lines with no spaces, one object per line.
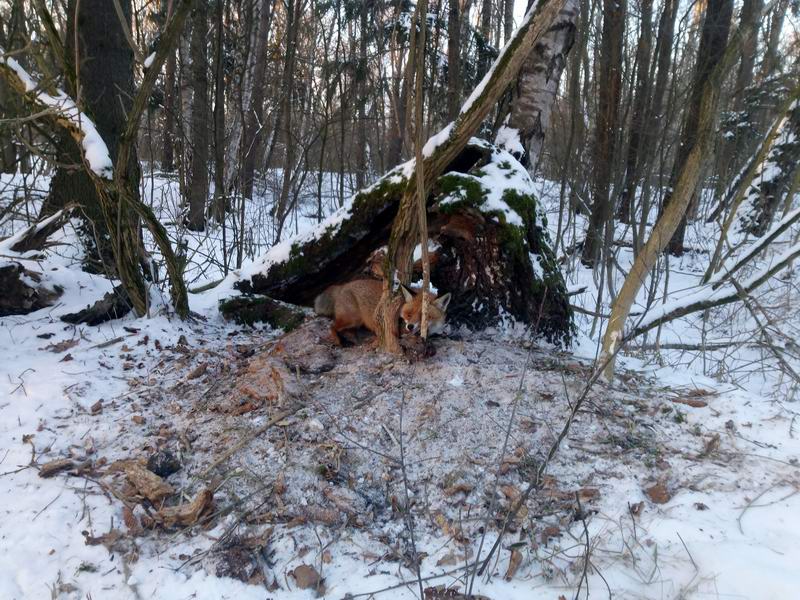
{"x":354,"y":304}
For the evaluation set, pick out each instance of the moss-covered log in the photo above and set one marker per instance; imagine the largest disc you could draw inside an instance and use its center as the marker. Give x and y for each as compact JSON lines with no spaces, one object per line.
{"x":23,"y":291}
{"x":247,"y":310}
{"x":489,"y":242}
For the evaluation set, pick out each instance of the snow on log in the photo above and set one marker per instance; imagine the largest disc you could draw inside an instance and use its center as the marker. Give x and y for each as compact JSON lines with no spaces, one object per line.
{"x":490,"y":244}
{"x":64,"y":109}
{"x":23,"y":290}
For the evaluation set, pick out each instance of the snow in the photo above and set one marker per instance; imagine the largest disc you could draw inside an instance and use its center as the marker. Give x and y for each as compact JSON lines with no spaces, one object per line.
{"x":743,"y":543}
{"x":95,"y":150}
{"x":149,"y":60}
{"x":508,"y":138}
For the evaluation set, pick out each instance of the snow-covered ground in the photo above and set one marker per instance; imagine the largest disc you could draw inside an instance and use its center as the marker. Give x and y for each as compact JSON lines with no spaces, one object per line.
{"x":712,"y":433}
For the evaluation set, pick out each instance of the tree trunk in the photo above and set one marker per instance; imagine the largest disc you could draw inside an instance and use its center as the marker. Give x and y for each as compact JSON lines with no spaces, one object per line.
{"x":254,"y":108}
{"x":485,"y":50}
{"x":639,"y":119}
{"x":771,"y":61}
{"x":731,"y":153}
{"x":105,"y":72}
{"x":220,"y":195}
{"x":454,"y":59}
{"x":198,"y":185}
{"x":607,"y":123}
{"x":534,"y":95}
{"x":361,"y":91}
{"x":685,"y":185}
{"x":168,"y":156}
{"x":713,"y":40}
{"x":116,"y":181}
{"x":289,"y":140}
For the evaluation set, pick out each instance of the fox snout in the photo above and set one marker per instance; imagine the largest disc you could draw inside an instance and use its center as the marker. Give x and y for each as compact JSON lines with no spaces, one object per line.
{"x":411,"y":312}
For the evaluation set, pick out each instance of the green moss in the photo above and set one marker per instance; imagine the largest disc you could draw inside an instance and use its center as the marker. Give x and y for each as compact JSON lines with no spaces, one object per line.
{"x":248,"y":310}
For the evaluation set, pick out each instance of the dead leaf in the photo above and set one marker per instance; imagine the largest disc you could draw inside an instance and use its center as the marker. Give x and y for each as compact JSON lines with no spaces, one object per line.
{"x":55,"y":466}
{"x":694,"y":403}
{"x":636,"y":509}
{"x":97,"y":407}
{"x":107,"y":539}
{"x":307,"y":577}
{"x":185,"y":515}
{"x":62,"y":346}
{"x":138,"y":419}
{"x":198,"y":371}
{"x":658,"y":493}
{"x":147,"y":483}
{"x":550,"y":532}
{"x":711,"y":446}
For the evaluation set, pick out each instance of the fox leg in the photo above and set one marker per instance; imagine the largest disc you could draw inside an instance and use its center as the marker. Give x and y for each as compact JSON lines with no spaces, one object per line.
{"x":341,"y":323}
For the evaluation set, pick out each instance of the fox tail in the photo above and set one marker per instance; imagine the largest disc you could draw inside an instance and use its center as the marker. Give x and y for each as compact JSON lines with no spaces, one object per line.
{"x":324,"y":304}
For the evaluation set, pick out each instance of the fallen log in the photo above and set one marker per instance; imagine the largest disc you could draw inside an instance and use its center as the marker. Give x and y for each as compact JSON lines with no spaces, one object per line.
{"x":24,"y":291}
{"x":489,"y":243}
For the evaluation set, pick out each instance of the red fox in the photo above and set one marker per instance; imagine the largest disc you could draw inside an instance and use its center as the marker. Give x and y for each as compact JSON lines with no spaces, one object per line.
{"x":353,"y":305}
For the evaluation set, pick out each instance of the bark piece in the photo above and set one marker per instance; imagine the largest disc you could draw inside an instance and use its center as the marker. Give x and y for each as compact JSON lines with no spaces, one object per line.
{"x":247,"y":310}
{"x":187,"y":514}
{"x":23,"y":291}
{"x":147,"y":483}
{"x":55,"y":466}
{"x":113,"y":305}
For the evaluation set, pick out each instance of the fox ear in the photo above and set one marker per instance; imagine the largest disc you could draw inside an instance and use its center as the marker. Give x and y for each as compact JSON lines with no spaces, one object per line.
{"x":443,"y":301}
{"x":407,"y":295}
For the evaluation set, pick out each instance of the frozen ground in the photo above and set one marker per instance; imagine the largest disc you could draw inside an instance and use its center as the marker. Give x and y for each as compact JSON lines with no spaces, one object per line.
{"x":711,"y":434}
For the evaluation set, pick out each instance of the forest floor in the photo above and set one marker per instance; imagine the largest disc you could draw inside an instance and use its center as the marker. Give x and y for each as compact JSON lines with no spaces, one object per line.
{"x":682,"y":487}
{"x":288,"y":463}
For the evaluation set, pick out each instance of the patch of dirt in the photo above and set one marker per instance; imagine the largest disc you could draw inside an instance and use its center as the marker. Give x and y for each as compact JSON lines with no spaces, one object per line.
{"x":377,"y":436}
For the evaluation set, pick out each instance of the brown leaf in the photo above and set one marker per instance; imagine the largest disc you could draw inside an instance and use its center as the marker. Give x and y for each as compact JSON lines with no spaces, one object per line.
{"x":107,"y":539}
{"x":510,"y":492}
{"x":712,"y":445}
{"x":138,"y":419}
{"x":550,"y":532}
{"x":55,"y":466}
{"x":147,"y":483}
{"x":693,"y":402}
{"x":97,"y":407}
{"x":62,"y":346}
{"x":636,"y":509}
{"x":513,"y":564}
{"x":658,"y":493}
{"x":307,"y":577}
{"x":198,"y":371}
{"x":184,"y":515}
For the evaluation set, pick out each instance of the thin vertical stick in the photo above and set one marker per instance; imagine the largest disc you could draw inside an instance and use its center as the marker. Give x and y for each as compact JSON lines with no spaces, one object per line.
{"x":421,"y":195}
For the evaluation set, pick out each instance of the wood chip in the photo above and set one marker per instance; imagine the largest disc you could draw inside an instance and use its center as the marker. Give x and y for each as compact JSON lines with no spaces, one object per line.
{"x":513,"y":564}
{"x":55,"y":466}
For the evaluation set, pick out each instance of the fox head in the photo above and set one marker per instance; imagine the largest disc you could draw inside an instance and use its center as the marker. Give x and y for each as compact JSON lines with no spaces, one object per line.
{"x":411,"y":311}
